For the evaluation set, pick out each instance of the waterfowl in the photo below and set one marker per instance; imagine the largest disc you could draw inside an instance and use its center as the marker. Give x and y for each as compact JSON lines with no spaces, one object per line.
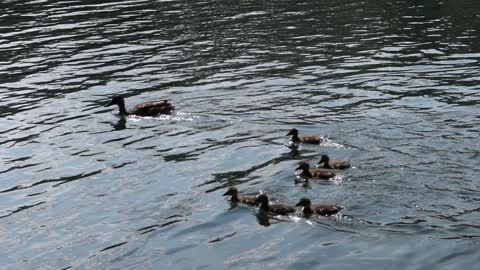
{"x":314,"y":173}
{"x":235,"y":197}
{"x":324,"y":209}
{"x":327,"y":164}
{"x":276,"y":208}
{"x":303,"y":139}
{"x":151,"y":108}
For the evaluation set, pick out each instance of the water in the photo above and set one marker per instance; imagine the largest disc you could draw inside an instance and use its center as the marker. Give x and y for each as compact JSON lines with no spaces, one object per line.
{"x":394,"y":86}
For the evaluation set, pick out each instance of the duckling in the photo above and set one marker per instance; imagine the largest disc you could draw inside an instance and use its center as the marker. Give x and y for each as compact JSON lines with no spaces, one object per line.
{"x":151,"y":108}
{"x":314,"y":173}
{"x":324,"y":209}
{"x":303,"y":139}
{"x":235,"y":197}
{"x":276,"y":208}
{"x":327,"y":164}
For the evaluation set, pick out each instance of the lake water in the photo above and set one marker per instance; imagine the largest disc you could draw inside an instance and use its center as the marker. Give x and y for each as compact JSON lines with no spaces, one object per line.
{"x":394,"y":85}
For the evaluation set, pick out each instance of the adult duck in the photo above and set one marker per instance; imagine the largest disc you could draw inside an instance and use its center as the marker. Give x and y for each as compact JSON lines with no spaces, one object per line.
{"x":151,"y":108}
{"x":276,"y":208}
{"x":237,"y":198}
{"x":339,"y":164}
{"x":314,"y":173}
{"x":303,"y":139}
{"x":324,"y":209}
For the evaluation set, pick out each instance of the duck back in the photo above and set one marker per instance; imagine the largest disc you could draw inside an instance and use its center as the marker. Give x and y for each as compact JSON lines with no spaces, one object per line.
{"x":152,"y":108}
{"x":311,"y":139}
{"x":321,"y":173}
{"x":280,"y":209}
{"x":326,"y":209}
{"x":340,"y":165}
{"x":247,"y":199}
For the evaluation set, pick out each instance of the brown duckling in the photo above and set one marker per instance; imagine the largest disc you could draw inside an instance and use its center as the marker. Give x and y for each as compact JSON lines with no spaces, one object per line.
{"x":235,"y":197}
{"x":314,"y":173}
{"x":327,"y":164}
{"x":324,"y":209}
{"x":151,"y":108}
{"x":303,"y":139}
{"x":276,"y":208}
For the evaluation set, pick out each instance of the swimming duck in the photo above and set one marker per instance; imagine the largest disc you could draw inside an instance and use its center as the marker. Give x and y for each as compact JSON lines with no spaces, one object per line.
{"x":235,"y":197}
{"x":324,"y":209}
{"x":303,"y":139}
{"x":314,"y":173}
{"x":151,"y":108}
{"x":327,"y":164}
{"x":276,"y":208}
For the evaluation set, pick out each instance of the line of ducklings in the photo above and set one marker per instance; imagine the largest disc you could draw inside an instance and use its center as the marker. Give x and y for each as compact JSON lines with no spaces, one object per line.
{"x":325,"y":172}
{"x":264,"y":204}
{"x":155,"y":108}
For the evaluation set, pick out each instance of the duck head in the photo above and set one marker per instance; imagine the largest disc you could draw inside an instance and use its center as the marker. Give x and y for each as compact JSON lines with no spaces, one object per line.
{"x":324,"y":159}
{"x":116,"y":100}
{"x":303,"y":166}
{"x":305,"y":202}
{"x":232,"y":191}
{"x":262,"y":199}
{"x":293,"y":132}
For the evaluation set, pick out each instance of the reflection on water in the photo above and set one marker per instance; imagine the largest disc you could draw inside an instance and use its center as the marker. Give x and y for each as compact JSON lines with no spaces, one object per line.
{"x":392,"y":85}
{"x":120,"y":124}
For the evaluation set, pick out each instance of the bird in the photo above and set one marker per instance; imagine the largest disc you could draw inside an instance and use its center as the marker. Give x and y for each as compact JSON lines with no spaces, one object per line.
{"x":276,"y":208}
{"x":324,"y":209}
{"x":314,"y":173}
{"x":327,"y":164}
{"x":151,"y":108}
{"x":235,"y":197}
{"x":303,"y":139}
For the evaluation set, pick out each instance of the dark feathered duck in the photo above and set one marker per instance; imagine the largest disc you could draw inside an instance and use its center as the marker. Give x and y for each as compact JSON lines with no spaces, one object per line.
{"x":276,"y":208}
{"x":151,"y":108}
{"x":327,"y":164}
{"x":324,"y":209}
{"x":303,"y":139}
{"x":236,"y":197}
{"x":313,"y":173}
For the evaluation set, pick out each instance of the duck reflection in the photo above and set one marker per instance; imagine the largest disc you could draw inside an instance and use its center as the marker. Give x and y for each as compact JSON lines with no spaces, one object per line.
{"x":266,"y":219}
{"x":263,"y":219}
{"x":120,"y":124}
{"x":294,"y":152}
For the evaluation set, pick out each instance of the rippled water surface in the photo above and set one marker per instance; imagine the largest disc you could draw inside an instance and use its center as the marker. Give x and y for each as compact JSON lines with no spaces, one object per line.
{"x":394,"y":85}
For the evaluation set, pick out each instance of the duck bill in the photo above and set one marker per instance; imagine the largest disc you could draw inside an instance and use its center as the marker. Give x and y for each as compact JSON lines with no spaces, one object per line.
{"x":289,"y":133}
{"x":299,"y":204}
{"x":299,"y":168}
{"x":226,"y":193}
{"x":110,"y":103}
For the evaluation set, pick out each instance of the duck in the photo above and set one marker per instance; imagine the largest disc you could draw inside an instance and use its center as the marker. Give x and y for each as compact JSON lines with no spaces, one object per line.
{"x":236,"y":197}
{"x":276,"y":208}
{"x":323,"y":209}
{"x":327,"y":164}
{"x":151,"y":108}
{"x":303,"y":139}
{"x":314,"y":173}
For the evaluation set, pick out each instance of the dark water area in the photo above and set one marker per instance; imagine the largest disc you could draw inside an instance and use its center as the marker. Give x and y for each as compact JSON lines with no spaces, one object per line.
{"x":394,"y":85}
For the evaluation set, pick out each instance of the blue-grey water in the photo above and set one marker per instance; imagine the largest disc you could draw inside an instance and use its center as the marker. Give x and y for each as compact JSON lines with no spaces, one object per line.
{"x":394,"y":85}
